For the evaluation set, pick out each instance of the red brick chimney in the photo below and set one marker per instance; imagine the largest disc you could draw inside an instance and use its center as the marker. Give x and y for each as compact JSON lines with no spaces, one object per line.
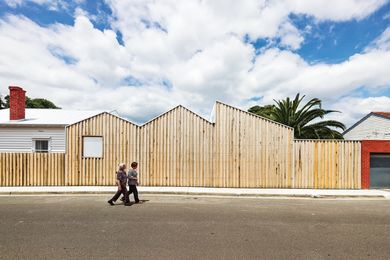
{"x":17,"y":103}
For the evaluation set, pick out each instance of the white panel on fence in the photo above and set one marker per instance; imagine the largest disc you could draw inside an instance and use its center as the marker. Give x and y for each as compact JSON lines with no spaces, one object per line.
{"x":92,"y":146}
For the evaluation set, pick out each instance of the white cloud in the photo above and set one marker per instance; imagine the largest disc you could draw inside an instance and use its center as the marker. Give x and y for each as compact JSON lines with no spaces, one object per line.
{"x":290,"y":36}
{"x":188,"y":52}
{"x":382,"y":42}
{"x":336,"y":10}
{"x":14,"y":3}
{"x":357,"y":107}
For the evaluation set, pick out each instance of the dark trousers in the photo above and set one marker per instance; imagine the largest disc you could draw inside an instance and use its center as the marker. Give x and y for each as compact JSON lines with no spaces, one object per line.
{"x":133,"y":189}
{"x":123,"y":191}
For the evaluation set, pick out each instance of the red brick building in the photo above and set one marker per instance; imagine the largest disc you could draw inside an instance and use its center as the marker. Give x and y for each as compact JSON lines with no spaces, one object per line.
{"x":373,"y":131}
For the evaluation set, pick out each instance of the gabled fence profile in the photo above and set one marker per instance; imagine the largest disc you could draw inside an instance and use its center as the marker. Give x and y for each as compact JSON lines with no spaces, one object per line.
{"x":180,"y":148}
{"x":120,"y":144}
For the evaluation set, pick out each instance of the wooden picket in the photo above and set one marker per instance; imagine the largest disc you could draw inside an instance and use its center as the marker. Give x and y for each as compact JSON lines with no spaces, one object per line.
{"x":180,"y":148}
{"x":32,"y":169}
{"x":323,"y":164}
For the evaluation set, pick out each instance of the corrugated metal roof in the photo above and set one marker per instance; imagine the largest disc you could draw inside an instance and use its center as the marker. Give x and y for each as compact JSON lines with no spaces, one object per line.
{"x":47,"y":117}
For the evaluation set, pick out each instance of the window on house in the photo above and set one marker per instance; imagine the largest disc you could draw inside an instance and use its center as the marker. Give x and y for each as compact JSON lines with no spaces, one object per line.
{"x":41,"y":146}
{"x":93,"y":146}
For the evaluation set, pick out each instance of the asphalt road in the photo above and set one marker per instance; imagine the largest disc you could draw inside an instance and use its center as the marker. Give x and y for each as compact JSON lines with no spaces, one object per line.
{"x":184,"y":227}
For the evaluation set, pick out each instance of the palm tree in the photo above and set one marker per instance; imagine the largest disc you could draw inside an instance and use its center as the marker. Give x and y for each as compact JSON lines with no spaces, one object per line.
{"x":305,"y":119}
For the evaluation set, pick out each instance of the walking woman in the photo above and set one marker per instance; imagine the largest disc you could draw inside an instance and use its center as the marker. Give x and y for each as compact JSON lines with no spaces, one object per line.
{"x":121,"y":179}
{"x":133,"y":181}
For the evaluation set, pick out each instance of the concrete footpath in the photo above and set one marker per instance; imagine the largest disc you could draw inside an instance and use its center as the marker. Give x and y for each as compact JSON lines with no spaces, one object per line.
{"x":309,"y":193}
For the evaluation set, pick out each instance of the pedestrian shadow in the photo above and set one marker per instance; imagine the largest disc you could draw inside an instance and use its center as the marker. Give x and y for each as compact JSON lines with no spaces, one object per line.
{"x":121,"y":202}
{"x":140,"y":202}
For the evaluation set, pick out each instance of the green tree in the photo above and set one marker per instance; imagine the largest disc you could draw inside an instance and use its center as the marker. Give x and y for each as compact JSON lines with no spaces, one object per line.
{"x":264,"y":111}
{"x":31,"y":103}
{"x":39,"y":103}
{"x":2,"y":103}
{"x":306,"y":119}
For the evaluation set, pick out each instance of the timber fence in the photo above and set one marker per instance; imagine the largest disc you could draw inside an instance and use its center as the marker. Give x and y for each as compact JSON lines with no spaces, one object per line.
{"x":32,"y":169}
{"x":179,"y":148}
{"x":306,"y":164}
{"x":322,"y":164}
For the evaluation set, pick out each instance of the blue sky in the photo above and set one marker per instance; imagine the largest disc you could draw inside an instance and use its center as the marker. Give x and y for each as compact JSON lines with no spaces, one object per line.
{"x":45,"y":16}
{"x":100,"y":54}
{"x":334,"y":42}
{"x":327,"y":41}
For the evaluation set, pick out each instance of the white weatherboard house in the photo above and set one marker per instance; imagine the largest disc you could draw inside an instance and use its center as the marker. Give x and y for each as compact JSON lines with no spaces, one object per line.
{"x":35,"y":130}
{"x":374,"y":126}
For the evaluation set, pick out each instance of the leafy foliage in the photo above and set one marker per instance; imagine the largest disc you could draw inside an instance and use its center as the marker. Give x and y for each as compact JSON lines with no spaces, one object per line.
{"x":304,"y":118}
{"x":264,"y":111}
{"x":2,"y":103}
{"x":30,"y":103}
{"x":39,"y":103}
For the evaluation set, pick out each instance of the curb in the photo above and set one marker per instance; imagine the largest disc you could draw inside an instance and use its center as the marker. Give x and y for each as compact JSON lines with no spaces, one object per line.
{"x":313,"y":196}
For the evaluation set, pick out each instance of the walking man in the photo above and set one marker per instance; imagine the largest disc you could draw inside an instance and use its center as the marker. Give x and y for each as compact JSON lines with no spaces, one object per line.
{"x":121,"y":179}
